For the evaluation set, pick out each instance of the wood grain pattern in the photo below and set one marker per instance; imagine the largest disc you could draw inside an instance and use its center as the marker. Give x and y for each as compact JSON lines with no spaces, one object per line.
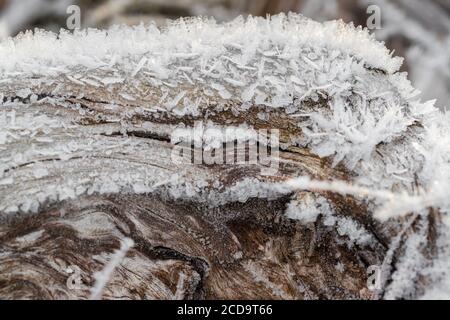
{"x":189,"y":248}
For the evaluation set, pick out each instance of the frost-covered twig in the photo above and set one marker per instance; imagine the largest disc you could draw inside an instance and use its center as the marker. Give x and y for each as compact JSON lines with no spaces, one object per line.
{"x":393,"y":204}
{"x":103,"y":277}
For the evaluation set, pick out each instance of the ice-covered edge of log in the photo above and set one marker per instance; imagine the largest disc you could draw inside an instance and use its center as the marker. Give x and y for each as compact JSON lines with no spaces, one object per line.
{"x":45,"y":52}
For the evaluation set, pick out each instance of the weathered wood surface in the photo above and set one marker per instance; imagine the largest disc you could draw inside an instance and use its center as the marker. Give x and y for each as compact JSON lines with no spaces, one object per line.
{"x":183,"y":249}
{"x":85,"y":165}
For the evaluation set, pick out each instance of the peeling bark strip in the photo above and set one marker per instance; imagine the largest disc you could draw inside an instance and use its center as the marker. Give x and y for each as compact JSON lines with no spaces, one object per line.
{"x":86,"y":161}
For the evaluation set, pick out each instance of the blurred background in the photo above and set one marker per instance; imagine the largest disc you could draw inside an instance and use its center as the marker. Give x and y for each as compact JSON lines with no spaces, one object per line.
{"x":419,"y":30}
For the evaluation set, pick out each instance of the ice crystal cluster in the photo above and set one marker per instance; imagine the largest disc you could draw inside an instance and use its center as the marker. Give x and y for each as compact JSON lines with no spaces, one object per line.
{"x":339,"y":86}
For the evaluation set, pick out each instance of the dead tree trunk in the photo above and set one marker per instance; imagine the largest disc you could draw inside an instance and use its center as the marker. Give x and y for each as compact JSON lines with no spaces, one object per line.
{"x":86,"y":161}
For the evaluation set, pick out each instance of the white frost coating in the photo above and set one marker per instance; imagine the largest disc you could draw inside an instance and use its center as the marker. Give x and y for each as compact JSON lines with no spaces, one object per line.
{"x":105,"y":275}
{"x":409,"y":267}
{"x":353,"y":134}
{"x":438,"y":269}
{"x":282,"y":62}
{"x":201,"y":41}
{"x":355,"y":233}
{"x":391,"y":204}
{"x":308,"y":208}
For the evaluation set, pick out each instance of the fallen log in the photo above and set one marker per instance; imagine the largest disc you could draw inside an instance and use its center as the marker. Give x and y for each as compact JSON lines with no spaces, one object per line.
{"x":92,"y":128}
